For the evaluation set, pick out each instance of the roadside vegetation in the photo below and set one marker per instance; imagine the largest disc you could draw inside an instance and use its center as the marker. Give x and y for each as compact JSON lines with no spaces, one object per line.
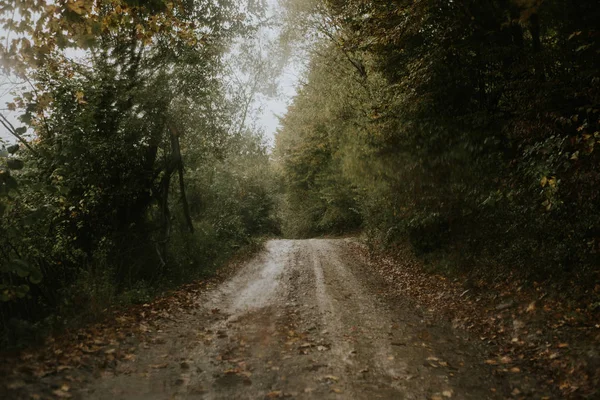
{"x":133,"y":165}
{"x":468,"y":128}
{"x":462,"y":132}
{"x":460,"y":138}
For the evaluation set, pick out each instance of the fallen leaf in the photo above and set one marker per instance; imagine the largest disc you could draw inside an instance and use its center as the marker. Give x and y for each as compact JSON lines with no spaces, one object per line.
{"x":232,"y":371}
{"x":158,"y":366}
{"x":447,"y":393}
{"x":16,"y":385}
{"x":62,"y":394}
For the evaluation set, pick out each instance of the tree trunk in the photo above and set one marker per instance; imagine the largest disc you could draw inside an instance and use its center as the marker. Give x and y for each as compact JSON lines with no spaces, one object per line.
{"x":178,"y":161}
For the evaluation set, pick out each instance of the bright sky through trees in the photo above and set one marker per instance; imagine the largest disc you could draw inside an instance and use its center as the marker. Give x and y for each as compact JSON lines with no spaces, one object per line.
{"x":265,"y":111}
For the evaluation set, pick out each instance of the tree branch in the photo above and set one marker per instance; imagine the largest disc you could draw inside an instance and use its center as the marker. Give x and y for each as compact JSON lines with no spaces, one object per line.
{"x":11,"y":129}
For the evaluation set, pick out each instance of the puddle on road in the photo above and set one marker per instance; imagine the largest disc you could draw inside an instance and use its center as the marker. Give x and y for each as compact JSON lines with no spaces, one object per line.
{"x":252,"y":292}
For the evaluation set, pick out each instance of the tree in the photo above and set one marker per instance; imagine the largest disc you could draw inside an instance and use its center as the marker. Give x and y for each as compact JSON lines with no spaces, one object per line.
{"x":126,"y":101}
{"x":468,"y":128}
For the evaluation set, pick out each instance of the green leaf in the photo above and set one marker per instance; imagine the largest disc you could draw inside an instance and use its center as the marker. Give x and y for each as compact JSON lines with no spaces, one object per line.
{"x":13,"y":149}
{"x":26,"y":118}
{"x":22,"y":291}
{"x":15,"y":164}
{"x":20,"y":267}
{"x":34,"y":216}
{"x":36,"y":276}
{"x":10,"y":182}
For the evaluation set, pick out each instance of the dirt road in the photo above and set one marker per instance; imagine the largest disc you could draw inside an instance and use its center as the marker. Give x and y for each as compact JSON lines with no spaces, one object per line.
{"x":303,"y":319}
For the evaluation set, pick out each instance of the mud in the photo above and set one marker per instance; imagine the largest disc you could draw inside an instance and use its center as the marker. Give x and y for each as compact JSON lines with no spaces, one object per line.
{"x":303,"y":319}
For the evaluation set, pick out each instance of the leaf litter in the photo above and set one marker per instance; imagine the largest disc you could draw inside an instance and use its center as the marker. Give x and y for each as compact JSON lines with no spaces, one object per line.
{"x":527,"y":330}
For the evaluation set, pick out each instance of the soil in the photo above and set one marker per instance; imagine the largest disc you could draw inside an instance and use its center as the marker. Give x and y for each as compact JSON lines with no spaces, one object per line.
{"x":306,"y":319}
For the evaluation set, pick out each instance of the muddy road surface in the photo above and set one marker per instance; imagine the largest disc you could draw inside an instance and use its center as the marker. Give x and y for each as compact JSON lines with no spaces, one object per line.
{"x":303,"y":319}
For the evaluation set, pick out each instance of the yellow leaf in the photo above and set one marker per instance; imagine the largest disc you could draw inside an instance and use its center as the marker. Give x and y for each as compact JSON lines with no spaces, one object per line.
{"x":76,"y":6}
{"x":543,"y":181}
{"x":506,"y":360}
{"x":61,"y":394}
{"x":80,"y":97}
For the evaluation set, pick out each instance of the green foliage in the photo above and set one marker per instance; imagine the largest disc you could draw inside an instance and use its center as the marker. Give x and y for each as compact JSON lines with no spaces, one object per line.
{"x":310,"y":156}
{"x":469,"y":127}
{"x":133,"y":181}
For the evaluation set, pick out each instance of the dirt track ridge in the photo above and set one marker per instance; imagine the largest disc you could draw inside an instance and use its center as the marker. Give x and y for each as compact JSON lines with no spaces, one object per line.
{"x":303,"y":320}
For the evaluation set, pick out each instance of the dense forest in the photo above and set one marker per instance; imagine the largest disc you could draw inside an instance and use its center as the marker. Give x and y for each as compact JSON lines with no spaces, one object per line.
{"x":140,"y":169}
{"x":467,"y":128}
{"x":464,"y":128}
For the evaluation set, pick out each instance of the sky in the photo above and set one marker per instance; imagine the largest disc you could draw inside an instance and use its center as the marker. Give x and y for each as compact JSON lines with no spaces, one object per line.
{"x":275,"y":107}
{"x":267,"y":110}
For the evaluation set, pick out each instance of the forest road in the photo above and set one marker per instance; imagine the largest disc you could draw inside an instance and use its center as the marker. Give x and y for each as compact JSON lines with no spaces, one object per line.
{"x":303,"y":319}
